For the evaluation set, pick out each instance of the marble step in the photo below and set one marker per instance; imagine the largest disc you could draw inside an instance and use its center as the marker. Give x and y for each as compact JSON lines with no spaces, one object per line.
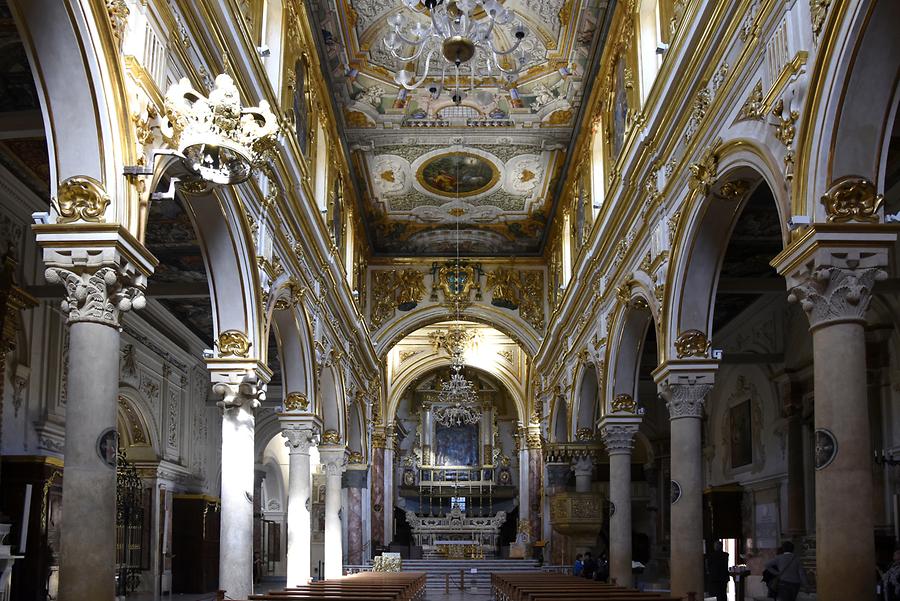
{"x":438,"y":569}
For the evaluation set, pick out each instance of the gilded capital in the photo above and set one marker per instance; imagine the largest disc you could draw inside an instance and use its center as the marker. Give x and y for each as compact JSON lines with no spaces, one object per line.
{"x":836,"y":294}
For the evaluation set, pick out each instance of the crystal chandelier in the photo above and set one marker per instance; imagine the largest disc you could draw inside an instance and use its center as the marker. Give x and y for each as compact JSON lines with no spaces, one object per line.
{"x":459,"y":31}
{"x":462,"y":407}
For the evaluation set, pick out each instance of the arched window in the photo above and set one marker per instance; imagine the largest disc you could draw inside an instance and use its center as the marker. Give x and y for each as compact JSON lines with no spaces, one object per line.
{"x":271,"y":40}
{"x":649,"y":45}
{"x":566,"y":249}
{"x":598,"y":187}
{"x":321,"y":178}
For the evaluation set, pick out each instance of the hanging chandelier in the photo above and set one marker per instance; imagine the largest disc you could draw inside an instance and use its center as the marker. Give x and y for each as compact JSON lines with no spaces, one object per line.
{"x":460,"y":32}
{"x":462,"y":406}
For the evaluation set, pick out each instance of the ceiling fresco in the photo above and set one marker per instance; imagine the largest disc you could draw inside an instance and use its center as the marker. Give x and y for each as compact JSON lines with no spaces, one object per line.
{"x":489,"y":164}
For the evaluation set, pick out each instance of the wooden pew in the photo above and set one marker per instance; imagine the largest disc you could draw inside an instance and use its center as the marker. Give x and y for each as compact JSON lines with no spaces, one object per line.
{"x":530,"y":586}
{"x":364,"y":586}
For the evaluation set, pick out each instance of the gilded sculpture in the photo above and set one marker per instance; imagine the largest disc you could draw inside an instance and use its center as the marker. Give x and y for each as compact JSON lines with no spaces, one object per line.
{"x":81,"y":198}
{"x":410,"y":288}
{"x":331,"y":437}
{"x":504,"y":283}
{"x":296,"y":401}
{"x":692,"y":343}
{"x":624,"y":403}
{"x":233,"y":343}
{"x":852,"y":199}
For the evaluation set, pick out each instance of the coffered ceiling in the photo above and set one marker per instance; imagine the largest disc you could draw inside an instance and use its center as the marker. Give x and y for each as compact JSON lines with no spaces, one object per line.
{"x":489,"y":166}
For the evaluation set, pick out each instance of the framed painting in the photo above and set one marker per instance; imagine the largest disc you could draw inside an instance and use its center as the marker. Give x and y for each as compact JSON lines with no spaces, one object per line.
{"x":741,"y":435}
{"x":456,"y":445}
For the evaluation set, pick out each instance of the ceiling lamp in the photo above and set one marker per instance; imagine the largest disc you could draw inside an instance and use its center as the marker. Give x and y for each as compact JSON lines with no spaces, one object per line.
{"x":462,"y":406}
{"x":459,"y":31}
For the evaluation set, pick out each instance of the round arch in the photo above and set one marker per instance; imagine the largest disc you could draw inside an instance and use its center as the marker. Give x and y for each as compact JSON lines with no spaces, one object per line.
{"x":81,"y":86}
{"x":330,"y":393}
{"x":853,"y":102}
{"x":138,"y":433}
{"x":632,"y":322}
{"x":385,"y":338}
{"x":288,"y":322}
{"x":585,"y":401}
{"x":703,"y":236}
{"x":427,"y":364}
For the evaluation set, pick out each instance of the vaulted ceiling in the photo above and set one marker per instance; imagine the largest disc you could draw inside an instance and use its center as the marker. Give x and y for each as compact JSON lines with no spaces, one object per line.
{"x":490,"y":165}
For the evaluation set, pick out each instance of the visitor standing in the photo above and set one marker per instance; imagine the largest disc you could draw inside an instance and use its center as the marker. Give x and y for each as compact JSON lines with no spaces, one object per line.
{"x":790,"y":576}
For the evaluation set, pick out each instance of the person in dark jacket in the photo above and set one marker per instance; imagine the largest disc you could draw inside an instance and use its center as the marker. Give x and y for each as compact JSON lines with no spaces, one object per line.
{"x":590,"y":566}
{"x":717,"y":570}
{"x":789,"y":573}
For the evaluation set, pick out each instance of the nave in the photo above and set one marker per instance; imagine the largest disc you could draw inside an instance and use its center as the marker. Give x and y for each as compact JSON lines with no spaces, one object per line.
{"x":301,"y":294}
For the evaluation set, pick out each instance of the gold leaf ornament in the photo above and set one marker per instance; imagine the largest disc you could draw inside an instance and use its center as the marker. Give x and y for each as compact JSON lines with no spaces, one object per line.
{"x":233,"y":343}
{"x":81,"y":198}
{"x":296,"y":401}
{"x":852,"y":198}
{"x":692,"y":343}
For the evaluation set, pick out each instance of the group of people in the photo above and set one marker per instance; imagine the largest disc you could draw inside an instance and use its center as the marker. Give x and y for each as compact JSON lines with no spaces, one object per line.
{"x":784,"y":574}
{"x":588,"y":567}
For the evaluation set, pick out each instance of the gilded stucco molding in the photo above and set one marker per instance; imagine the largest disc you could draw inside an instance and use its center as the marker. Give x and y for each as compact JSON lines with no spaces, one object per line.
{"x":852,"y":198}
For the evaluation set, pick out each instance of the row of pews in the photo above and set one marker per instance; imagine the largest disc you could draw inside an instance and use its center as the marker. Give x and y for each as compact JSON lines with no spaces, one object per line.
{"x":533,"y":586}
{"x":365,"y":586}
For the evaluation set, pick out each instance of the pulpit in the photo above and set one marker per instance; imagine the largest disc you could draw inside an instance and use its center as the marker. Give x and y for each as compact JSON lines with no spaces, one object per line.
{"x":578,"y":516}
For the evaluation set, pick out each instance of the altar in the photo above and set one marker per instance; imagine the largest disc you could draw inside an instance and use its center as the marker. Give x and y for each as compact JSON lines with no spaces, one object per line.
{"x":456,"y":536}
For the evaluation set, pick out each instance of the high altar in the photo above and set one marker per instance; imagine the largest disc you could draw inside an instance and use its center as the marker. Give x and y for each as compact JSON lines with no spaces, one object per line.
{"x":453,"y":477}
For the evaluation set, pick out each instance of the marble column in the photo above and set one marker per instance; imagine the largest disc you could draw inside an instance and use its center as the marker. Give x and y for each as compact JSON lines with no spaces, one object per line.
{"x":388,"y":518}
{"x":535,"y":483}
{"x":835,"y":300}
{"x":332,"y":457}
{"x":685,"y":400}
{"x":354,"y":481}
{"x":238,"y":404}
{"x":619,"y":441}
{"x":377,"y":497}
{"x":95,"y":299}
{"x":299,"y":438}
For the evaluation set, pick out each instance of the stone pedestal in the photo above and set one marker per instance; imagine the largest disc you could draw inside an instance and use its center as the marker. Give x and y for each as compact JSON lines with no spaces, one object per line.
{"x":299,"y":436}
{"x":618,"y":436}
{"x":238,"y":404}
{"x":333,"y":459}
{"x":684,"y":398}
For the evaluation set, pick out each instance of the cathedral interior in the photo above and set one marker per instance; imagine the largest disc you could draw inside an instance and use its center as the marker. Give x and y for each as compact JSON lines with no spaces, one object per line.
{"x":444,"y":299}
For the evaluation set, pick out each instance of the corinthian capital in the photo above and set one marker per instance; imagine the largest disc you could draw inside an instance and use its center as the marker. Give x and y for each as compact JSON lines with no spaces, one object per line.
{"x":836,"y":294}
{"x":98,"y":295}
{"x":684,"y":398}
{"x":618,"y":438}
{"x":248,"y":391}
{"x":299,"y":438}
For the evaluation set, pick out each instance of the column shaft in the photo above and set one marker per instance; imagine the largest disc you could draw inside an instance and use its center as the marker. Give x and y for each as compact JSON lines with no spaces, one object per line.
{"x":377,"y":501}
{"x":334,"y":553}
{"x":298,"y":553}
{"x":796,"y":487}
{"x":354,"y":526}
{"x":236,"y":534}
{"x":620,"y":520}
{"x":687,"y":512}
{"x":88,"y":532}
{"x":845,"y":547}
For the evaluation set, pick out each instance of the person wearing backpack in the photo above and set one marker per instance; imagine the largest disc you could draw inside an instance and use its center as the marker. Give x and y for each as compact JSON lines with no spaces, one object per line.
{"x":790,"y":576}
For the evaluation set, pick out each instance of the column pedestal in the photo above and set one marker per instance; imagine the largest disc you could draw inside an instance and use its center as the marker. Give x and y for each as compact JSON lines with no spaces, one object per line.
{"x":335,"y":464}
{"x":619,"y":441}
{"x":299,"y":438}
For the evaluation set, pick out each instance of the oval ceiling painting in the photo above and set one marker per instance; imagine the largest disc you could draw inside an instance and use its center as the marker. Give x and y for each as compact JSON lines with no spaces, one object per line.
{"x":457,"y":173}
